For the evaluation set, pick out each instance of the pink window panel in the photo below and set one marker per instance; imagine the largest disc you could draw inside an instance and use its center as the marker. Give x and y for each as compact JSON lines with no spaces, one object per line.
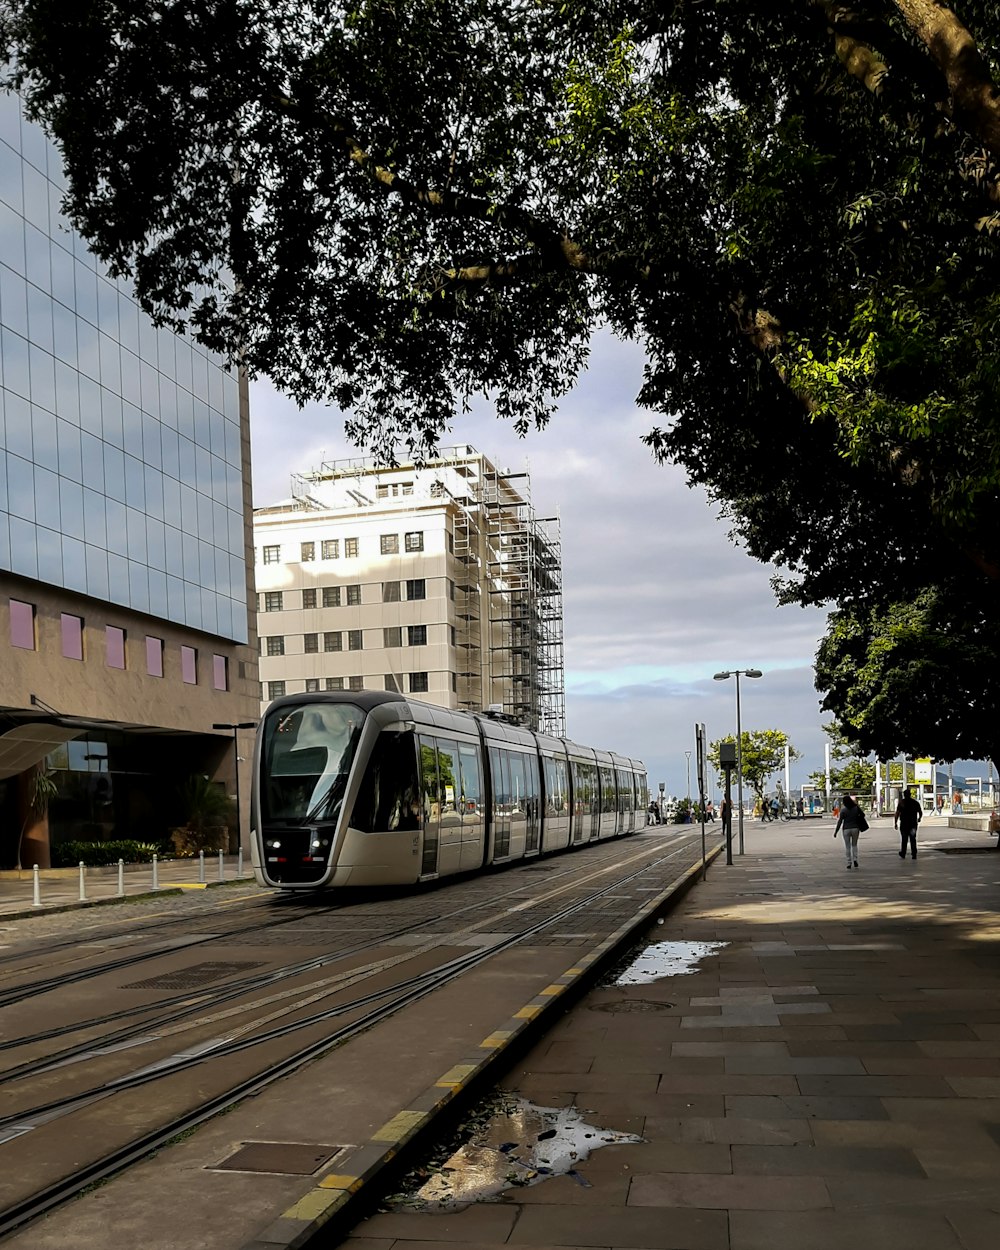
{"x":115,"y":646}
{"x":22,"y":624}
{"x":189,"y":665}
{"x":72,"y":636}
{"x":220,"y":672}
{"x":154,"y":656}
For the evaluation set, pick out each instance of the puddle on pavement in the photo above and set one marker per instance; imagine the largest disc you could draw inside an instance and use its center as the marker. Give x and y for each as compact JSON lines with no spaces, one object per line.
{"x":667,"y":959}
{"x":520,"y":1145}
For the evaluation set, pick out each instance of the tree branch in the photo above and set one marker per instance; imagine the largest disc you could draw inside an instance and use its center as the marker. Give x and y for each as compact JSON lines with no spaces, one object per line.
{"x":975,"y":95}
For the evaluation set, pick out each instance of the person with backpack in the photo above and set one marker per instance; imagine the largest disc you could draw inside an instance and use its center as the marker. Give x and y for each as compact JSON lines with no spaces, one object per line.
{"x":907,"y":818}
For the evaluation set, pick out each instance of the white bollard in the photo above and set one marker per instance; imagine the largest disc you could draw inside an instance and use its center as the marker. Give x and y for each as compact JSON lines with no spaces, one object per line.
{"x":156,"y":874}
{"x":121,"y":878}
{"x":83,"y":883}
{"x":222,"y":866}
{"x":36,"y":891}
{"x":239,"y":863}
{"x":201,"y":867}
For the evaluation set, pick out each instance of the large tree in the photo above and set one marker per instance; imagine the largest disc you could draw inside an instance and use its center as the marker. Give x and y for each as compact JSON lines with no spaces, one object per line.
{"x":395,"y":205}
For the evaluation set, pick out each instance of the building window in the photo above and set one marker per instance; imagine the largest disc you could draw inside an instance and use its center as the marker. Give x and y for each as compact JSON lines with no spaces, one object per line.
{"x":454,"y":683}
{"x":272,"y":555}
{"x":354,"y":640}
{"x":273,"y":601}
{"x":310,"y":643}
{"x":418,"y":683}
{"x":451,"y":543}
{"x":392,"y":636}
{"x":453,"y":635}
{"x":391,"y":683}
{"x":114,"y":646}
{"x":275,"y":645}
{"x":351,"y":548}
{"x":353,"y":596}
{"x":355,"y":683}
{"x":312,"y":685}
{"x":390,"y":592}
{"x":335,"y":683}
{"x":72,"y":636}
{"x":154,"y":656}
{"x":333,"y":641}
{"x":451,"y":589}
{"x":415,"y":541}
{"x":416,"y":588}
{"x":331,"y":596}
{"x":417,"y":635}
{"x":437,"y":490}
{"x":406,"y":488}
{"x":189,"y":665}
{"x":22,"y":625}
{"x":331,"y":549}
{"x":389,"y":544}
{"x":220,"y":672}
{"x":275,"y":689}
{"x":307,"y":552}
{"x":309,"y":598}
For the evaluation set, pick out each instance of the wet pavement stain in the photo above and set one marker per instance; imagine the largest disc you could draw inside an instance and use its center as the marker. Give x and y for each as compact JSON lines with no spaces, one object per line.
{"x":667,"y":959}
{"x":520,"y":1145}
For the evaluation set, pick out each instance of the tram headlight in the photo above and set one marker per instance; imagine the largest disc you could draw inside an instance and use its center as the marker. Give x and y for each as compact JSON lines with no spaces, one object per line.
{"x":275,"y":846}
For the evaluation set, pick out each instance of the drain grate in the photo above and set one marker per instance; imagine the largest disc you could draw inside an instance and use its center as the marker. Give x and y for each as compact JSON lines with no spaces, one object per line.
{"x":278,"y":1157}
{"x":630,"y":1005}
{"x":192,"y":977}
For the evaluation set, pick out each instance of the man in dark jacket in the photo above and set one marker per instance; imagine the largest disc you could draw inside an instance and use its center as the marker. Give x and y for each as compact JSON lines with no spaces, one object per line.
{"x":906,"y":820}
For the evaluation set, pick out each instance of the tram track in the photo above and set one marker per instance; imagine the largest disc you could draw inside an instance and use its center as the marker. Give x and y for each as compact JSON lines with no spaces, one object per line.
{"x":265,"y":1034}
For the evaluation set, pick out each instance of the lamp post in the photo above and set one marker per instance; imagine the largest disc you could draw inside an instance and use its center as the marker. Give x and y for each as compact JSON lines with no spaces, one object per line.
{"x":688,"y":754}
{"x":724,"y":676}
{"x":243,"y":724}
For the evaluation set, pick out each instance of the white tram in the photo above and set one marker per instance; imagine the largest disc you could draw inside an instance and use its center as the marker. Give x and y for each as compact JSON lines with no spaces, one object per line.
{"x":367,"y":789}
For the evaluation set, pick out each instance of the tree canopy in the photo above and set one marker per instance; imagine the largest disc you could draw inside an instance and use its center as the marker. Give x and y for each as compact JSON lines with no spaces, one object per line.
{"x":762,"y":755}
{"x":396,"y":205}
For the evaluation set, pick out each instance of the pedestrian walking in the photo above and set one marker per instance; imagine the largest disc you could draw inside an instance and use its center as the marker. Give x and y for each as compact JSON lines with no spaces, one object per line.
{"x":726,"y":816}
{"x":907,"y":818}
{"x":852,"y":821}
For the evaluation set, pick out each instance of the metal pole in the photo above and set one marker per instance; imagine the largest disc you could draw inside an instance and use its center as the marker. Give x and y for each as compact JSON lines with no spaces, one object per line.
{"x":239,"y":862}
{"x":156,"y":875}
{"x":36,"y":888}
{"x":236,"y":782}
{"x":83,"y":884}
{"x":788,"y":782}
{"x":201,"y":867}
{"x":121,"y":878}
{"x":739,"y":757}
{"x":222,"y":867}
{"x":729,"y":815}
{"x":688,"y":755}
{"x":826,"y":755}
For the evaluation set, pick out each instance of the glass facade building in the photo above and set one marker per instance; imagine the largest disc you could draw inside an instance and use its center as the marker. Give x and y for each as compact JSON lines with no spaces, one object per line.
{"x":120,"y":446}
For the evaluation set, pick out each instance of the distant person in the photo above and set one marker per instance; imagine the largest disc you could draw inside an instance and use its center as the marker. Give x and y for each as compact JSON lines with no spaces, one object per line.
{"x":765,"y":810}
{"x":800,"y":809}
{"x":852,"y":821}
{"x":710,"y":811}
{"x":956,"y":803}
{"x":726,"y":816}
{"x":940,"y":804}
{"x":775,"y":809}
{"x":907,"y":818}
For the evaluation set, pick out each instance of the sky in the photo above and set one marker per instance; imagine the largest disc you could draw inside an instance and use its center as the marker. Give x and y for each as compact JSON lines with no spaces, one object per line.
{"x":656,"y":596}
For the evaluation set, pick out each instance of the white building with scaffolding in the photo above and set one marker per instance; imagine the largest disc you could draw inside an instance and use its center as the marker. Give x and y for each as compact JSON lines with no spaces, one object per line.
{"x":438,"y":581}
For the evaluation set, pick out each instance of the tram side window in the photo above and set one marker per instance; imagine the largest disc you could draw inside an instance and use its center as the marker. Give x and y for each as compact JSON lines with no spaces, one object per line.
{"x":472,"y":783}
{"x":389,"y":798}
{"x":429,"y":780}
{"x":624,"y":791}
{"x":518,"y":788}
{"x":556,"y":788}
{"x":447,"y":753}
{"x":609,"y":800}
{"x":501,"y":802}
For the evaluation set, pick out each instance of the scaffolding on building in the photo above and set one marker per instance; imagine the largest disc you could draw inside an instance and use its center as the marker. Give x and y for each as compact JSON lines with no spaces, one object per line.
{"x":507,"y":575}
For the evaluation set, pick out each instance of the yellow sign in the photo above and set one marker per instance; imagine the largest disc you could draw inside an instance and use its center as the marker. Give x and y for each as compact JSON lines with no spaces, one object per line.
{"x":923,"y":771}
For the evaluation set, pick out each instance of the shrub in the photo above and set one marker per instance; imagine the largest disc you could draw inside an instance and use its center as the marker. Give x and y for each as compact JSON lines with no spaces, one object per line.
{"x":100,"y":854}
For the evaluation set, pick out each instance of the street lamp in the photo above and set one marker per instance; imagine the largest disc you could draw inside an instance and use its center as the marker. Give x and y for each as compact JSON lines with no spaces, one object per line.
{"x":738,"y":673}
{"x":243,"y":724}
{"x":688,"y":754}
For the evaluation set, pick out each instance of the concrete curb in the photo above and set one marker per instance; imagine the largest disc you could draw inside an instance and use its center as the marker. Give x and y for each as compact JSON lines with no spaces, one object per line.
{"x":340,"y":1198}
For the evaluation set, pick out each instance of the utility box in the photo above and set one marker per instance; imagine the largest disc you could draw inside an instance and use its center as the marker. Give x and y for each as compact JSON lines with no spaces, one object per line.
{"x":727,"y":754}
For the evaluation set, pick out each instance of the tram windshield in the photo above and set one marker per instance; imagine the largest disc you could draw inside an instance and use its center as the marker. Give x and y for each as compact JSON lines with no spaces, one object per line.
{"x":308,"y":752}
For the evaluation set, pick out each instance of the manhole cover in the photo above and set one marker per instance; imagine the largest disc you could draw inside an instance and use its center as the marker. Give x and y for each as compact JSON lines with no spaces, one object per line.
{"x":279,"y":1157}
{"x":191,"y":978}
{"x":631,"y":1004}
